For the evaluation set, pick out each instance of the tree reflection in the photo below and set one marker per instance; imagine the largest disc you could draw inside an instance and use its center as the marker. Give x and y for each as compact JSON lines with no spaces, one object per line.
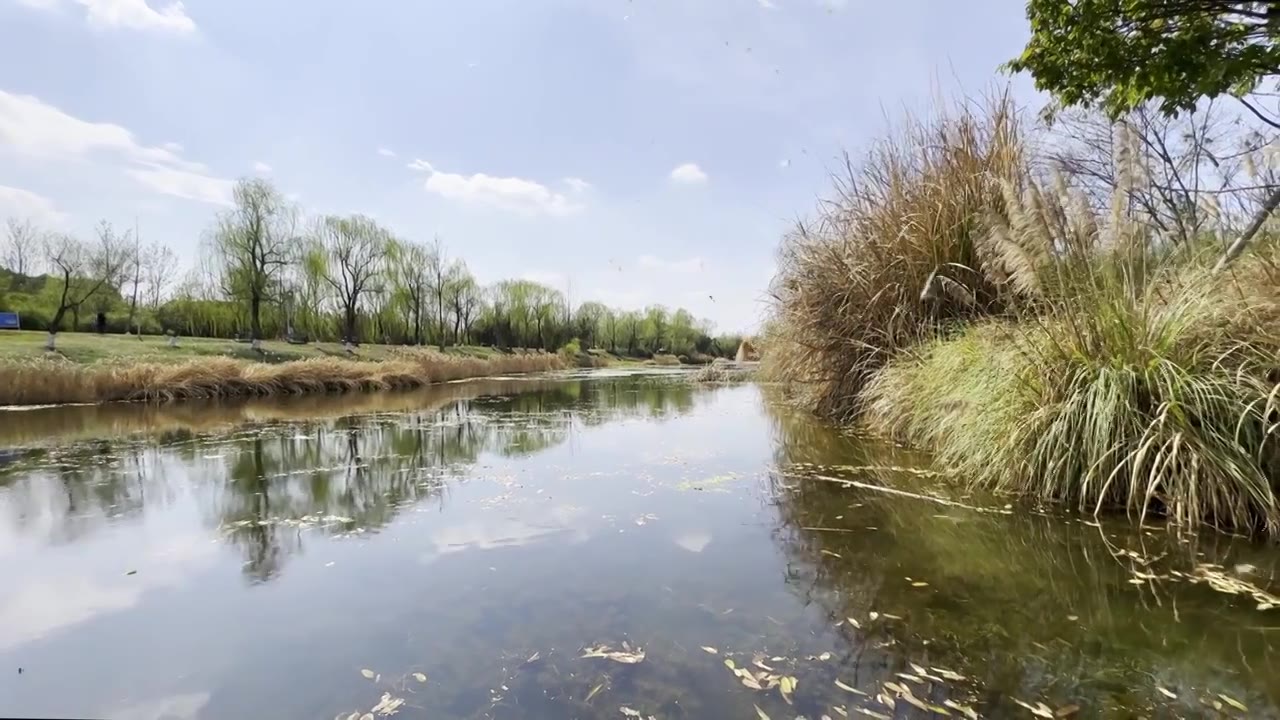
{"x":266,"y":474}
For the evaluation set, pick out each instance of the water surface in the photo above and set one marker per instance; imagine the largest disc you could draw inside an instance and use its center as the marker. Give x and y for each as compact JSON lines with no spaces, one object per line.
{"x":254,"y":559}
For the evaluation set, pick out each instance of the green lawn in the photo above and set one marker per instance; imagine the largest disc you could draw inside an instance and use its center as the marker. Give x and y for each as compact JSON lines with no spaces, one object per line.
{"x":89,"y":347}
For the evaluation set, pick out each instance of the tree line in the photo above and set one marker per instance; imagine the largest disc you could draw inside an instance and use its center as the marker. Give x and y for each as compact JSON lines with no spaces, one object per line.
{"x":266,"y":271}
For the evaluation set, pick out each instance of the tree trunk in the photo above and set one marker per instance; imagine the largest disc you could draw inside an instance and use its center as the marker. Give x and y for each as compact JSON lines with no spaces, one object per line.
{"x":1242,"y":242}
{"x":255,"y":322}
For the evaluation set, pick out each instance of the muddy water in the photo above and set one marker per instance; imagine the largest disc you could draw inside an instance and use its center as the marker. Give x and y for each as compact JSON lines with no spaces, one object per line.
{"x":467,"y":545}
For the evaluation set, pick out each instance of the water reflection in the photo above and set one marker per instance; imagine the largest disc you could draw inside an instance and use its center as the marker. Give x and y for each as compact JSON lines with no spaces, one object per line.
{"x":249,"y":559}
{"x":1031,"y":605}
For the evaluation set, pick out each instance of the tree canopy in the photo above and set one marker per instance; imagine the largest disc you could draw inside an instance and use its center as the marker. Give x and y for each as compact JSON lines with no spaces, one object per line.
{"x":1120,"y":54}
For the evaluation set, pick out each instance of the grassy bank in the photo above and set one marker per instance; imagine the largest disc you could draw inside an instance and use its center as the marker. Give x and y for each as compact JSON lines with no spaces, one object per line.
{"x":1033,"y":338}
{"x":46,"y":381}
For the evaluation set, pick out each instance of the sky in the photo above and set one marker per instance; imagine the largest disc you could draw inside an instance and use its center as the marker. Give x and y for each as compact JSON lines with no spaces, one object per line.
{"x":625,"y":151}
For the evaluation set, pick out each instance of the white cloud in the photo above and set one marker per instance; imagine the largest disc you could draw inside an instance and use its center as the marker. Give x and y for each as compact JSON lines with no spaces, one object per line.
{"x":508,"y":193}
{"x":386,"y":152}
{"x":688,"y":265}
{"x":784,"y":163}
{"x":128,"y":14}
{"x":262,"y":168}
{"x":19,"y":203}
{"x":577,"y":184}
{"x":688,"y":174}
{"x":767,"y":4}
{"x":34,"y":128}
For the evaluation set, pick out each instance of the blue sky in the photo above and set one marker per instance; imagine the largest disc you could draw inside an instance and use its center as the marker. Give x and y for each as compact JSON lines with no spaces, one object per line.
{"x":640,"y":150}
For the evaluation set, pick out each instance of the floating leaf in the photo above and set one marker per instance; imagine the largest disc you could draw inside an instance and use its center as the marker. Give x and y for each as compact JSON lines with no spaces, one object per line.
{"x":367,"y":673}
{"x":533,"y":657}
{"x":728,"y":662}
{"x":919,"y":583}
{"x":593,"y":692}
{"x":848,"y":688}
{"x":872,"y":713}
{"x":627,"y":656}
{"x":1067,"y":711}
{"x":964,"y":710}
{"x":825,"y":656}
{"x":854,"y":623}
{"x":366,"y":716}
{"x":629,"y":712}
{"x":787,"y":685}
{"x":1167,"y":693}
{"x":1233,"y":702}
{"x":710,"y":649}
{"x":762,"y":714}
{"x":1039,"y":709}
{"x":420,"y":677}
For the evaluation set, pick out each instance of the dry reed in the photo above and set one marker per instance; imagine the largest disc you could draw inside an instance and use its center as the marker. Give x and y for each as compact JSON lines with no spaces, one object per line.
{"x":848,"y":293}
{"x":42,"y":382}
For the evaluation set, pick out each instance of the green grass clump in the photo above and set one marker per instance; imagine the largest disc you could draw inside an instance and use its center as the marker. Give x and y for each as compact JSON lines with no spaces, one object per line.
{"x":1132,"y":376}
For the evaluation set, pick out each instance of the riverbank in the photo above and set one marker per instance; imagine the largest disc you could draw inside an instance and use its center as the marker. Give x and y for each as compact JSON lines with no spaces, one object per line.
{"x":1039,"y":341}
{"x":53,"y":381}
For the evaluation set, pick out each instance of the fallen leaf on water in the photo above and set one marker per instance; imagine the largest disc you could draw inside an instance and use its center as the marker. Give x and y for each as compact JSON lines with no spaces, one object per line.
{"x":1039,"y":709}
{"x":948,"y":674}
{"x":854,"y":622}
{"x":728,"y":662}
{"x":761,"y":713}
{"x":872,"y":713}
{"x":1067,"y":711}
{"x":533,"y":657}
{"x":710,"y":649}
{"x":1167,"y":693}
{"x":1233,"y":702}
{"x":367,"y":673}
{"x":593,"y":692}
{"x":787,"y":685}
{"x":760,"y":664}
{"x":919,"y":584}
{"x":420,"y":677}
{"x":627,"y":656}
{"x":825,"y":656}
{"x":366,"y":716}
{"x":1073,"y":618}
{"x":964,"y":710}
{"x":840,"y":711}
{"x":629,"y":712}
{"x":832,"y":554}
{"x":848,"y":688}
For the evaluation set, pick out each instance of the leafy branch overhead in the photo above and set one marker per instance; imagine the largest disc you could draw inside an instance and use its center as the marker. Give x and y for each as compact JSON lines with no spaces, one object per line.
{"x":1121,"y":54}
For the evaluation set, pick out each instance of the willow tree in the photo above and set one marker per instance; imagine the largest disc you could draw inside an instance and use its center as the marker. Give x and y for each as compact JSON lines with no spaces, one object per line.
{"x":409,"y":269}
{"x":252,"y":244}
{"x":351,"y":252}
{"x":1122,"y":54}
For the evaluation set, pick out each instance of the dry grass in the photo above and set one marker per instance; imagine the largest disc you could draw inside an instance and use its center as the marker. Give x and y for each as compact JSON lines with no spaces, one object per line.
{"x":724,"y":371}
{"x":848,"y":293}
{"x":667,"y":360}
{"x":40,"y":382}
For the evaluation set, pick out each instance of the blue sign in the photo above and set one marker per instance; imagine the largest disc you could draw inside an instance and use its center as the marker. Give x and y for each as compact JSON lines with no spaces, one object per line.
{"x":8,"y":321}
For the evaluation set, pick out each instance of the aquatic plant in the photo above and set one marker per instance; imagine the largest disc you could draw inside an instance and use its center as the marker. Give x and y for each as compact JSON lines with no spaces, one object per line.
{"x":848,"y":292}
{"x":1130,"y":374}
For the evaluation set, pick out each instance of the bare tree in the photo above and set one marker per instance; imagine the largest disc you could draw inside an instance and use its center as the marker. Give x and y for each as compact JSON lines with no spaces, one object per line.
{"x":1181,"y":175}
{"x":81,"y":271}
{"x":22,"y":246}
{"x":158,"y":264}
{"x":353,"y":250}
{"x":132,"y":275}
{"x":253,"y":243}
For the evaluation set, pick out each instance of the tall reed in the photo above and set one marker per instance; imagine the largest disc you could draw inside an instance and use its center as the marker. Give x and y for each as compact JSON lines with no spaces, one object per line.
{"x":893,"y":256}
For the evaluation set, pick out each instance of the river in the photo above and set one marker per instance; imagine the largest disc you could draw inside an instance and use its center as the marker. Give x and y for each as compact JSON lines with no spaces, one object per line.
{"x":594,"y":545}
